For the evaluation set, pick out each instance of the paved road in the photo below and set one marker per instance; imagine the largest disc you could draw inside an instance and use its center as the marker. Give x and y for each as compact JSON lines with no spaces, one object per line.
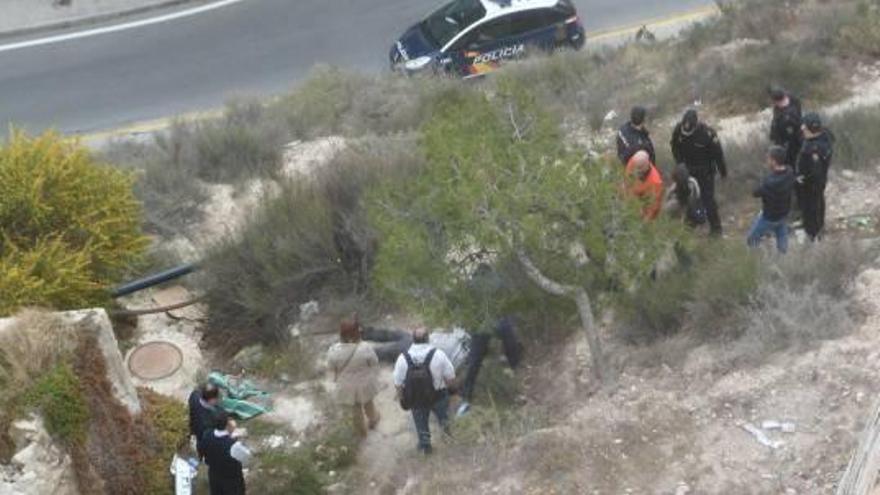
{"x":256,"y":47}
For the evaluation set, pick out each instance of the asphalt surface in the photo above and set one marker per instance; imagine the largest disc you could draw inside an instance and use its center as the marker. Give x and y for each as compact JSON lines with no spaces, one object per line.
{"x":256,"y":47}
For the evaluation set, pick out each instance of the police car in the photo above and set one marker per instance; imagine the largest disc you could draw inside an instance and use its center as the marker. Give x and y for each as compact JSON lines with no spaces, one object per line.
{"x":469,"y":38}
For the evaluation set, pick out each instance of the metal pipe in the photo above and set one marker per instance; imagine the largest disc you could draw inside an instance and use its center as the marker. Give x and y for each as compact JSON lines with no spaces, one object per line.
{"x":151,"y":311}
{"x":155,"y":279}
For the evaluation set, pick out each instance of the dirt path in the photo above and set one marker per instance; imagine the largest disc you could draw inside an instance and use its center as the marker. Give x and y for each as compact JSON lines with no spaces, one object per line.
{"x":393,"y":440}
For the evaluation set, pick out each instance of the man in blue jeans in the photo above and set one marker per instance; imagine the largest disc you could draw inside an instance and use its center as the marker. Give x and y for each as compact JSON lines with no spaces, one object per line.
{"x":775,"y":193}
{"x":425,"y":366}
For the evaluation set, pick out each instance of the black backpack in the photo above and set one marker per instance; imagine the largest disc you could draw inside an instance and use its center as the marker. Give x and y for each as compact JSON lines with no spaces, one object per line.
{"x":418,"y":386}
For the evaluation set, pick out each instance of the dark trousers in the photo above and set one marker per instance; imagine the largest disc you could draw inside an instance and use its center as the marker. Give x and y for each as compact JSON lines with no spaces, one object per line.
{"x":707,"y":196}
{"x":391,"y":343}
{"x":478,"y":350}
{"x":225,"y":485}
{"x":812,"y":200}
{"x":422,"y":420}
{"x":479,"y":347}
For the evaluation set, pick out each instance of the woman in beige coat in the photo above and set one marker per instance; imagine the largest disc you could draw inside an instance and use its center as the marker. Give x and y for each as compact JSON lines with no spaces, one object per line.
{"x":355,"y":369}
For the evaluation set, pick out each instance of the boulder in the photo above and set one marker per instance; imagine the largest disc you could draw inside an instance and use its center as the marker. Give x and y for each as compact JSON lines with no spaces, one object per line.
{"x":38,"y":466}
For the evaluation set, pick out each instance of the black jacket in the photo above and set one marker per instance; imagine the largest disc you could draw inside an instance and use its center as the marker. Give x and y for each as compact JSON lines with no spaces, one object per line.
{"x":225,"y":473}
{"x":775,"y":193}
{"x":630,"y":140}
{"x":200,"y":417}
{"x":701,"y":151}
{"x":785,"y":129}
{"x":814,"y":159}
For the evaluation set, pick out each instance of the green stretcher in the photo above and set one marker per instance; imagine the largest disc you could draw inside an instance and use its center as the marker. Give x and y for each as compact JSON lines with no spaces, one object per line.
{"x":242,"y":399}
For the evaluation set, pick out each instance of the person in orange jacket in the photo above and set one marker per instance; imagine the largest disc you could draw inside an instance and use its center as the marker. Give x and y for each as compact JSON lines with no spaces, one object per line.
{"x":644,"y":182}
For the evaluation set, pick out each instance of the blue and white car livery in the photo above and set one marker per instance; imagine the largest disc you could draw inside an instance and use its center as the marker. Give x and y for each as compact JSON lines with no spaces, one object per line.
{"x":471,"y":37}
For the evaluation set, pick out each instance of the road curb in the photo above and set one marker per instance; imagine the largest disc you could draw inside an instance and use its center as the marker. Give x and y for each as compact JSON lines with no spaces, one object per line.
{"x":96,"y":19}
{"x":694,"y":15}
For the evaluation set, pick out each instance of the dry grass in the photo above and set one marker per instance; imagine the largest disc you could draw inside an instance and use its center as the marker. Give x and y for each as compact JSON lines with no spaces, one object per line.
{"x":753,"y":305}
{"x":856,"y":145}
{"x":35,"y":342}
{"x":801,"y":299}
{"x":861,"y":35}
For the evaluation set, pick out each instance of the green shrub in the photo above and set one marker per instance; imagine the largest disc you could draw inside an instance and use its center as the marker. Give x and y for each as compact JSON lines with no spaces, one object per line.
{"x":334,"y":101}
{"x":49,"y":274}
{"x":726,"y":278}
{"x":861,"y":34}
{"x":310,"y":240}
{"x":34,"y":343}
{"x":706,"y":286}
{"x":783,"y":316}
{"x":244,"y":143}
{"x":172,"y":198}
{"x":287,"y":473}
{"x":306,"y":470}
{"x":798,"y":300}
{"x":172,"y":194}
{"x":58,"y":397}
{"x":69,"y":226}
{"x":856,"y":145}
{"x":294,"y":360}
{"x":169,"y":424}
{"x":657,"y":307}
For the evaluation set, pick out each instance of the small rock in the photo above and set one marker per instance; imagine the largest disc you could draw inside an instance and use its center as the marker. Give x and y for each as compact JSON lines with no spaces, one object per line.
{"x":339,"y":487}
{"x":275,"y":441}
{"x":295,"y":331}
{"x":308,"y":310}
{"x":682,"y":489}
{"x":848,"y":174}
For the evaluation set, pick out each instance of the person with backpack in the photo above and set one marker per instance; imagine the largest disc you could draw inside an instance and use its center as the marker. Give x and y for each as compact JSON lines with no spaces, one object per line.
{"x":355,"y":368}
{"x":422,"y":376}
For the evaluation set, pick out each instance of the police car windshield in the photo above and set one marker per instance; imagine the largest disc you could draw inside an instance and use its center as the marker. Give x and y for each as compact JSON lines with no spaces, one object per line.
{"x":452,"y":19}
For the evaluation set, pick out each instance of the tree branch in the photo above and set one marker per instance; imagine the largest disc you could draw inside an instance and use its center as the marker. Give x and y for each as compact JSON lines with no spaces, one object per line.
{"x":542,"y":280}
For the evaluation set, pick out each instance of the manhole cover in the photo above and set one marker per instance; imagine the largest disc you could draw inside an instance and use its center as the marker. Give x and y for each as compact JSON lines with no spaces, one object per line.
{"x":155,"y":360}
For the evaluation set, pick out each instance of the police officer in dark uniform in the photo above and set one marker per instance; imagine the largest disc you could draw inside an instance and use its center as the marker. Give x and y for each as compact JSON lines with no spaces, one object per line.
{"x":224,"y":455}
{"x":812,"y":173}
{"x":785,"y":129}
{"x":202,"y":407}
{"x":697,"y":146}
{"x":634,"y":136}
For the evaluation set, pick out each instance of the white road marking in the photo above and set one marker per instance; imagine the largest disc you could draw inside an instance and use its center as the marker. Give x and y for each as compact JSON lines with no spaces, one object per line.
{"x":117,"y":27}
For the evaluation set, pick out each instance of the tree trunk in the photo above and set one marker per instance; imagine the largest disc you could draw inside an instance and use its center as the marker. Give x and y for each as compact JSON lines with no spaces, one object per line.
{"x":585,"y":310}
